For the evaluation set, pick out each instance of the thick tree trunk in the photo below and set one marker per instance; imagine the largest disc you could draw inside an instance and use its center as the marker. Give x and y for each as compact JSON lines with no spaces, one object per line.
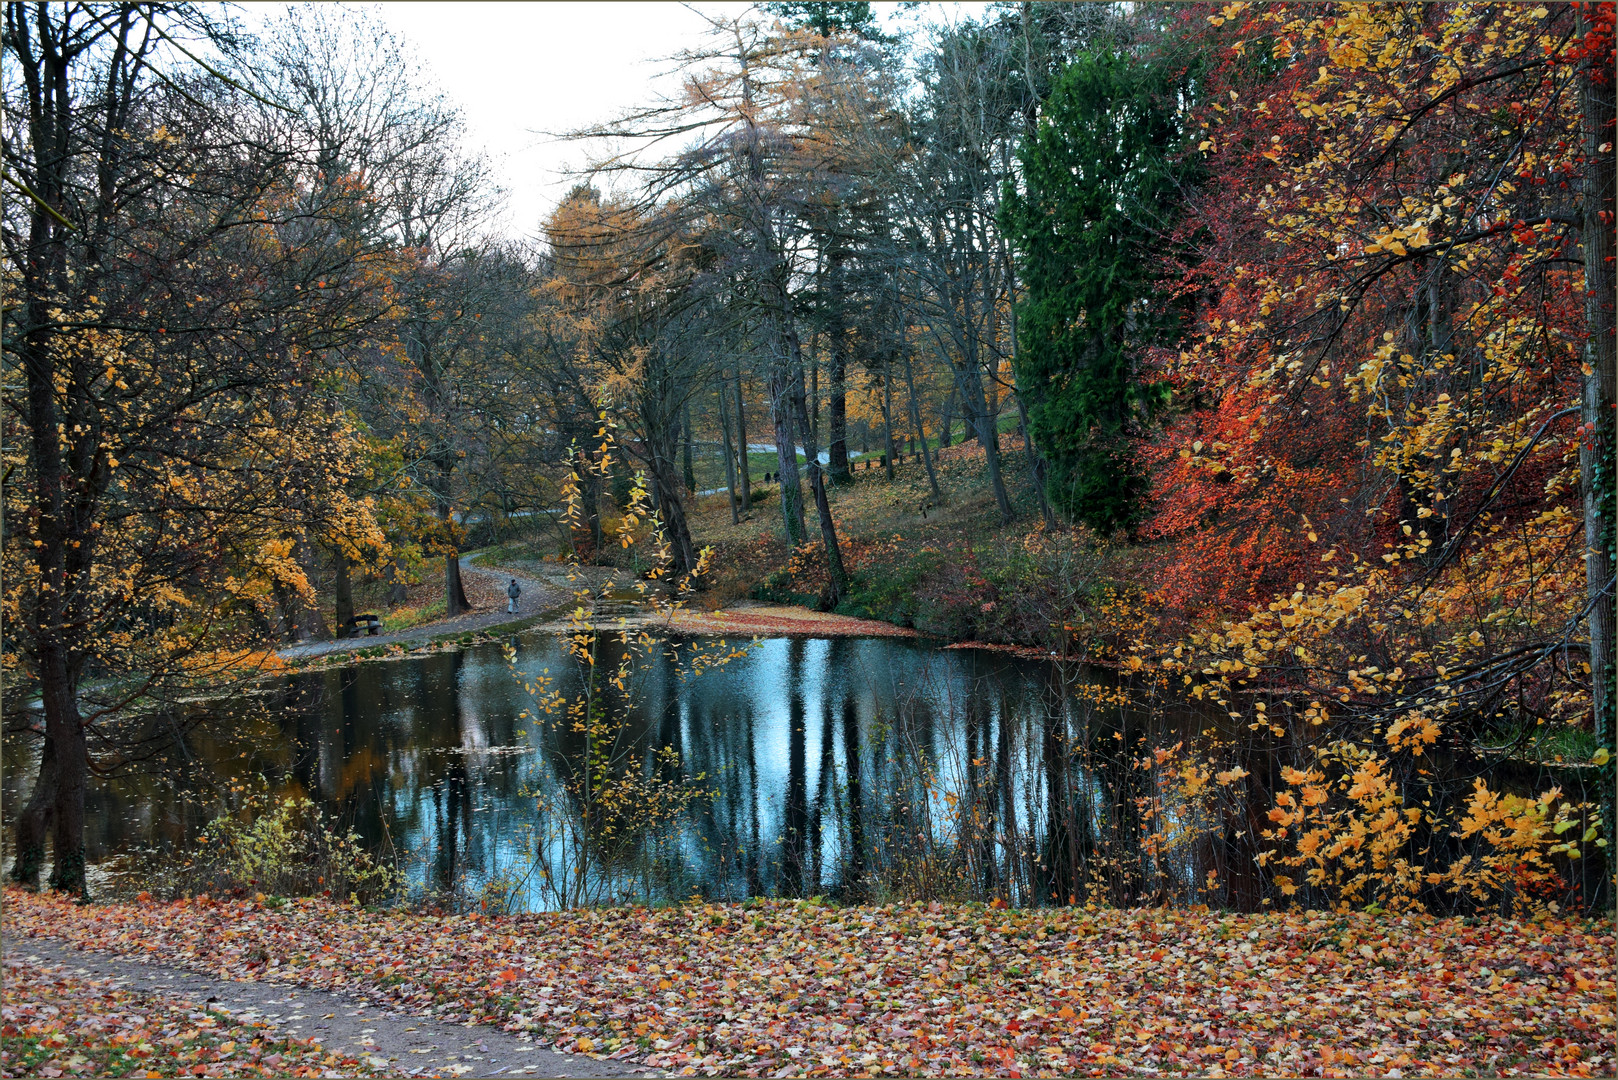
{"x":1598,"y":396}
{"x":54,"y":622}
{"x":65,"y":729}
{"x":746,"y":478}
{"x":34,"y":822}
{"x":345,"y":594}
{"x":287,"y":607}
{"x":455,"y":602}
{"x":946,"y":422}
{"x":671,"y":508}
{"x":311,"y":621}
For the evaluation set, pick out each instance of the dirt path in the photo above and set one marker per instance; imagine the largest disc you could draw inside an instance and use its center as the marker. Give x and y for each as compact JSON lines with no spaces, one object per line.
{"x":538,"y":597}
{"x":350,"y":1025}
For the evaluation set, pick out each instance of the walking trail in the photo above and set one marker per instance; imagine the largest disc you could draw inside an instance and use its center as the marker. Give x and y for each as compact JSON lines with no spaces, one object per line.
{"x":386,"y":1039}
{"x":543,"y":590}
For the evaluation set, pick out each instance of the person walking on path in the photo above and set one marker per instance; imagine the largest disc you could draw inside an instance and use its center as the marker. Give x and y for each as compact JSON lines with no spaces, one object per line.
{"x":513,"y":591}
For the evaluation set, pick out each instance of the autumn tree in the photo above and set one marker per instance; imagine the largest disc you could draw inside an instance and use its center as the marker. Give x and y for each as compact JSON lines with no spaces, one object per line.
{"x":175,"y":268}
{"x":1379,"y":498}
{"x":379,"y":128}
{"x":739,"y":174}
{"x":635,"y":349}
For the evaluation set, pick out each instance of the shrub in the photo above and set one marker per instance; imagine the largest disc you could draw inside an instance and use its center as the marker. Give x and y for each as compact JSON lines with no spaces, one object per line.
{"x":280,"y":846}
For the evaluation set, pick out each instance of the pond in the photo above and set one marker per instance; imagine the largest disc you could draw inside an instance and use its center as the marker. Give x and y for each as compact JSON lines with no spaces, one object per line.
{"x":848,"y":767}
{"x":863,"y":769}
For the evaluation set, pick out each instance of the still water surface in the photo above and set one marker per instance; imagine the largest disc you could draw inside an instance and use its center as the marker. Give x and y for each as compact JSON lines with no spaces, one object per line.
{"x":847,"y":767}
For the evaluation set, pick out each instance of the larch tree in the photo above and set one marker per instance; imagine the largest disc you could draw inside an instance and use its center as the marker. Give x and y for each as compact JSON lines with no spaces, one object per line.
{"x":740,"y":175}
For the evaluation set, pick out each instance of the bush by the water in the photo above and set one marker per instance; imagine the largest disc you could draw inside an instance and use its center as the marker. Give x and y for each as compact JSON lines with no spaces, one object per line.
{"x":278,"y":846}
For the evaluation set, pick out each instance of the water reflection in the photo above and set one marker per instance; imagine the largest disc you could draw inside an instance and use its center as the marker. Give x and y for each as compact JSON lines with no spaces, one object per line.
{"x":850,"y":767}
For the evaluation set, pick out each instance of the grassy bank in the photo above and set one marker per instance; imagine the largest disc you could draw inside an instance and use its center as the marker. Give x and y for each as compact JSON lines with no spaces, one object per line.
{"x":944,"y":567}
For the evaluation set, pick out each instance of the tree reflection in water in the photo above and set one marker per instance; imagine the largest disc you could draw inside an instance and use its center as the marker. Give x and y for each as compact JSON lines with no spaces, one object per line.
{"x":860,"y":768}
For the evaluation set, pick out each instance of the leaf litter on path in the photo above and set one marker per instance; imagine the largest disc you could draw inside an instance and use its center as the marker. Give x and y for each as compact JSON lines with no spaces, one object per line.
{"x":783,"y":988}
{"x":56,"y":1023}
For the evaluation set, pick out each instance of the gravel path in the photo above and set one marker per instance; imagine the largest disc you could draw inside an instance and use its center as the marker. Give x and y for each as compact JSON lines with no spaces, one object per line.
{"x":538,"y":597}
{"x":409,"y":1045}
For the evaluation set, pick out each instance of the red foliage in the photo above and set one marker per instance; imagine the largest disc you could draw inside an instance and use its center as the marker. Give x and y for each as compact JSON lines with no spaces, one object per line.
{"x":1381,"y":322}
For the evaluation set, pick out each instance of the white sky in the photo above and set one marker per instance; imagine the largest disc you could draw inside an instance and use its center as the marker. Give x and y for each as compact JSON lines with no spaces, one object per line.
{"x":521,"y":69}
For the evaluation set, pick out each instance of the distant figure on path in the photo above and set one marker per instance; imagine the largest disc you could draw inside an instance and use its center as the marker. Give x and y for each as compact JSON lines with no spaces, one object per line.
{"x":513,"y":591}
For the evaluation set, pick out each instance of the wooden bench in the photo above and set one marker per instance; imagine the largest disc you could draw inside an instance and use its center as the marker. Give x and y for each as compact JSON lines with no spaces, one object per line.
{"x":370,"y":624}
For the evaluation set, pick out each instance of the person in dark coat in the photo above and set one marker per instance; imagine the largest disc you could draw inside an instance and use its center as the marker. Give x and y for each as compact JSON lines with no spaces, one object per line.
{"x":512,"y":592}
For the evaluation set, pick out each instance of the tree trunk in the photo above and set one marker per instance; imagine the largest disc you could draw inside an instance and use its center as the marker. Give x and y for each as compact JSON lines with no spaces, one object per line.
{"x":887,"y":417}
{"x":786,"y":451}
{"x":814,"y":391}
{"x":984,"y":423}
{"x":671,"y":509}
{"x":397,"y":592}
{"x":589,"y":495}
{"x":817,"y":484}
{"x":1036,"y":465}
{"x":592,"y":510}
{"x":455,"y":602}
{"x":746,"y":478}
{"x":345,"y":594}
{"x":946,"y":422}
{"x":1036,"y":461}
{"x":837,"y":411}
{"x":730,"y":459}
{"x":921,"y":432}
{"x":311,"y":621}
{"x":34,"y":822}
{"x":1596,"y":450}
{"x":65,"y":729}
{"x":688,"y":472}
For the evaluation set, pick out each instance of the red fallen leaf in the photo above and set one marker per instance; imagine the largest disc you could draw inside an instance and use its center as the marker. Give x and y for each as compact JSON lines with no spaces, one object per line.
{"x":508,"y":975}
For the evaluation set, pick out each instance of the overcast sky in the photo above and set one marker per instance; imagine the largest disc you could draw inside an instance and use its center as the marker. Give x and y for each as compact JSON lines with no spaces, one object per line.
{"x":518,"y":70}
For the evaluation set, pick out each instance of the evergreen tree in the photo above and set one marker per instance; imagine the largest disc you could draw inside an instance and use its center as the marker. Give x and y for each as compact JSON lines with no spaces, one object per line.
{"x":828,"y":17}
{"x":1100,"y":188}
